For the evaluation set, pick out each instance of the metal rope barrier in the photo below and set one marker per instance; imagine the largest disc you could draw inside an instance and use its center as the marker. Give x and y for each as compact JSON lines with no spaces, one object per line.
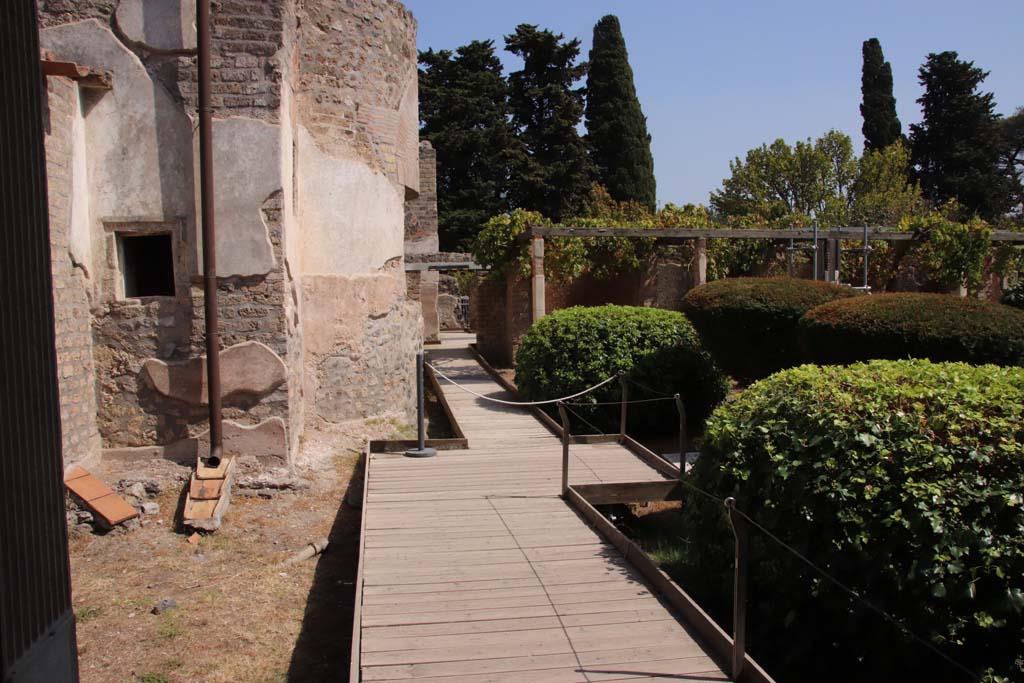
{"x":519,"y":403}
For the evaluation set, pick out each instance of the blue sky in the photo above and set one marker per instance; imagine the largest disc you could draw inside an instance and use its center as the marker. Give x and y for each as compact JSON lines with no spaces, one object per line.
{"x":718,"y":78}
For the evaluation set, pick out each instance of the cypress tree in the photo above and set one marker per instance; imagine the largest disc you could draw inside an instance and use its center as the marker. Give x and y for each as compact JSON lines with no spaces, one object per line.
{"x":955,"y":149}
{"x":552,"y":172}
{"x":620,"y":145}
{"x":881,"y":125}
{"x":464,"y":114}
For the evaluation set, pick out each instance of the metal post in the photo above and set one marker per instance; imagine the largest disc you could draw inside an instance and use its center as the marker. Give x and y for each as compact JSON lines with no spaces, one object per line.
{"x":206,"y":212}
{"x":623,"y":405}
{"x":739,"y":596}
{"x":421,"y":431}
{"x":565,"y":447}
{"x":682,"y":434}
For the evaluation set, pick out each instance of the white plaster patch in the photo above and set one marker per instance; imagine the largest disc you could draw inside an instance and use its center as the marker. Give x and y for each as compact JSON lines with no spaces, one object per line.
{"x":351,"y":218}
{"x":158,"y":24}
{"x":246,"y":170}
{"x":137,"y":166}
{"x":80,"y":234}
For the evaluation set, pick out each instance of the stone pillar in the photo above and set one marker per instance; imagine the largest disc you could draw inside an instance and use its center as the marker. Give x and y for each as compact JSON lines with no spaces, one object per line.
{"x":537,"y":260}
{"x":700,"y":261}
{"x":428,"y":300}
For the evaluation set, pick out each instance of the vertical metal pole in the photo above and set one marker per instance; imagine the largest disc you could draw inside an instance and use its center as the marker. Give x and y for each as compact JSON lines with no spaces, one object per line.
{"x":682,"y":434}
{"x":209,"y":234}
{"x":421,"y":430}
{"x":565,"y":447}
{"x":623,"y":405}
{"x":867,"y":250}
{"x":739,"y":597}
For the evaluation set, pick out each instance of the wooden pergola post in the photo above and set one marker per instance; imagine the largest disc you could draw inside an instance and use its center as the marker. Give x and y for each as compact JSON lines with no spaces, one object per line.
{"x":537,"y":263}
{"x":700,"y":261}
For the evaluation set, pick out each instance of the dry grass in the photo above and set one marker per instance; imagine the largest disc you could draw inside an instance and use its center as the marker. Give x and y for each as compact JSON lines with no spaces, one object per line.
{"x":241,"y":617}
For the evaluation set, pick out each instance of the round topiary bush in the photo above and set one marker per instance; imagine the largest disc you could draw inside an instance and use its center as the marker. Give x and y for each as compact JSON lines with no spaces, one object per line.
{"x":938,"y":327}
{"x":574,"y":348}
{"x":750,"y":324}
{"x":903,"y":479}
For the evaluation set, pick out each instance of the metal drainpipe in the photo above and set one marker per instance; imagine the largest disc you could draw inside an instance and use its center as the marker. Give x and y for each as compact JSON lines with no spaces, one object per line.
{"x":209,"y":234}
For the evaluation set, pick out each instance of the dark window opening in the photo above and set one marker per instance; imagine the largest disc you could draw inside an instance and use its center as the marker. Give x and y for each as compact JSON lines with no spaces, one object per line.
{"x":147,"y":263}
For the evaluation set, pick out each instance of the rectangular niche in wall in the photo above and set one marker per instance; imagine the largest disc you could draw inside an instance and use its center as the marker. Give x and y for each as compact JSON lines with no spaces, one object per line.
{"x":147,"y":264}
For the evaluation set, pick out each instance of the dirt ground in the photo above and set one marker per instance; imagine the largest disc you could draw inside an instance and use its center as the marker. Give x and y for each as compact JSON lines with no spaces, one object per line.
{"x":241,"y":615}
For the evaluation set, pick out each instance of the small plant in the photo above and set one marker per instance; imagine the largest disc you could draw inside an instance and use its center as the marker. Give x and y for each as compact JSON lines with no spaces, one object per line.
{"x":87,"y":613}
{"x":169,"y":627}
{"x":153,"y":678}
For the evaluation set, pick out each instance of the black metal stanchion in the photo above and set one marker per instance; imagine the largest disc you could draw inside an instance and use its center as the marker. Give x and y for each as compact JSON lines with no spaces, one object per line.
{"x":421,"y":451}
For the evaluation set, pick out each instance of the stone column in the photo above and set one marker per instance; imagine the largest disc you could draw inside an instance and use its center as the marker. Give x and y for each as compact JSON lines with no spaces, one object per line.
{"x":537,"y":254}
{"x":700,"y":261}
{"x":428,"y":300}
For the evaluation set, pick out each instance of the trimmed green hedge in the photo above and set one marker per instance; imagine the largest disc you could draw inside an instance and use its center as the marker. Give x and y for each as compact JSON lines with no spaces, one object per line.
{"x":574,"y":348}
{"x":904,"y":479}
{"x":1014,"y":296}
{"x":938,"y":327}
{"x":750,"y":324}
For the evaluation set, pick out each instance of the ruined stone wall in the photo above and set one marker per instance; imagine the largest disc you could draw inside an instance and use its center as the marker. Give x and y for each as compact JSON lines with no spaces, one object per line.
{"x":421,"y":211}
{"x":315,"y":150}
{"x":355,"y":124}
{"x":73,"y":332}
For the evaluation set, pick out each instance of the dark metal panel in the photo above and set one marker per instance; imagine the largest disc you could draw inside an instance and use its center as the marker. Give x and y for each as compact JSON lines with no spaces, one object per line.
{"x":37,"y":636}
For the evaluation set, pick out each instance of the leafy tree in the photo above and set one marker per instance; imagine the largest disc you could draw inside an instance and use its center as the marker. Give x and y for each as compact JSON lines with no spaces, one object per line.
{"x":882,"y":195}
{"x":955,"y":148}
{"x":780,"y":182}
{"x":464,"y":114}
{"x":552,"y":173}
{"x":620,"y":145}
{"x":1011,"y":157}
{"x":881,"y":125}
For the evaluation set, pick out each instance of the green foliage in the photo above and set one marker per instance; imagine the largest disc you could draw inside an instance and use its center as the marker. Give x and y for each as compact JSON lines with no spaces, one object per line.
{"x":777,"y":181}
{"x":620,"y":145}
{"x":1011,"y":159}
{"x":939,"y":327}
{"x":956,"y":145}
{"x":903,"y":479}
{"x":552,"y":172}
{"x":882,"y":195}
{"x":574,"y":348}
{"x":464,"y":114}
{"x":881,"y":125}
{"x":750,"y":325}
{"x":1014,"y":296}
{"x":953,"y":254}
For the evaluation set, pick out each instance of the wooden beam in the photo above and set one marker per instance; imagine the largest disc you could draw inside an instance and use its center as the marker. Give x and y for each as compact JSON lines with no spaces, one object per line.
{"x":443,"y":400}
{"x":887,"y":234}
{"x":651,"y":458}
{"x":355,"y":661}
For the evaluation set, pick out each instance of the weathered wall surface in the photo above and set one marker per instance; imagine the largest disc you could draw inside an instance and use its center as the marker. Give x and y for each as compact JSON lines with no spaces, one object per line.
{"x":355,"y":122}
{"x":73,"y":332}
{"x":421,"y":211}
{"x":316,"y":150}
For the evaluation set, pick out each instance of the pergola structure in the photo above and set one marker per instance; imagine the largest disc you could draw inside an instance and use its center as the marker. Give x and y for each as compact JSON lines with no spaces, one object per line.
{"x":825,"y":245}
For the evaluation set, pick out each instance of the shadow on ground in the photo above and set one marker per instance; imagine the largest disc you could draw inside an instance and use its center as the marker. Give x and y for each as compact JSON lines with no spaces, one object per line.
{"x":323,"y":650}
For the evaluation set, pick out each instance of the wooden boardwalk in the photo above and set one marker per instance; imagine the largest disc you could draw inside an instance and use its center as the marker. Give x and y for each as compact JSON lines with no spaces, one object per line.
{"x":474,"y":569}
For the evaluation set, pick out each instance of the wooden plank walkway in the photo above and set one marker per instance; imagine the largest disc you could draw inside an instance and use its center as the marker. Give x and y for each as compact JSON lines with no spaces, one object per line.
{"x":474,"y":569}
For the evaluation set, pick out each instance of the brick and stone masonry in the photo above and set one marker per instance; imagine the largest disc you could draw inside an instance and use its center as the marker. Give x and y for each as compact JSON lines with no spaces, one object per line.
{"x":315,"y":152}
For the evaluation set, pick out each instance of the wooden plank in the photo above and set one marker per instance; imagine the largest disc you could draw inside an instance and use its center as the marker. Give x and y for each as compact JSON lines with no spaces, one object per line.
{"x":199,"y":509}
{"x":355,"y":663}
{"x":205,"y":489}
